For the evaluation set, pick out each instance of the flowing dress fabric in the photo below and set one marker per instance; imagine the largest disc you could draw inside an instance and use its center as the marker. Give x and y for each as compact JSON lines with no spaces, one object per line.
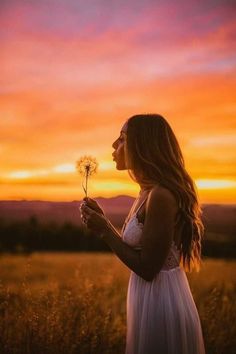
{"x":162,"y":317}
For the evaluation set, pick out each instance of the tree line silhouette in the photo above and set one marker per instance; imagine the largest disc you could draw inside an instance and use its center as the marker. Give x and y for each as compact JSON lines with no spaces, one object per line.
{"x":30,"y":235}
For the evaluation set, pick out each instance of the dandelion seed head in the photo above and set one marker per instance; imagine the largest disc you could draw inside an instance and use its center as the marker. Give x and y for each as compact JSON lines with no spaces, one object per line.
{"x":87,"y":165}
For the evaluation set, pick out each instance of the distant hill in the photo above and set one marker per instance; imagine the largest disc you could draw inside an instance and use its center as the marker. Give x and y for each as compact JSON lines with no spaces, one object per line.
{"x":217,"y":218}
{"x":116,"y":209}
{"x":27,"y":226}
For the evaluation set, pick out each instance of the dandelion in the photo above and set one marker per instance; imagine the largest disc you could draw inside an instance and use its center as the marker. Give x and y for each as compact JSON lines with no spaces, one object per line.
{"x":86,"y":166}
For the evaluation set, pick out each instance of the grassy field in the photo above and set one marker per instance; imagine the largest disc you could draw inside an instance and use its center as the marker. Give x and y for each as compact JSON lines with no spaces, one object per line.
{"x":75,"y":303}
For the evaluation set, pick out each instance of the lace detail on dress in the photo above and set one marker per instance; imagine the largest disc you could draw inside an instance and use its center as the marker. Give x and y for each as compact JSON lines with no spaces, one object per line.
{"x":132,"y":234}
{"x":173,"y":258}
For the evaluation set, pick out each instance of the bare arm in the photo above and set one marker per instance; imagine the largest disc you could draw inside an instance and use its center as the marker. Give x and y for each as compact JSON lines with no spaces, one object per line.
{"x":156,"y":236}
{"x":158,"y":230}
{"x":127,"y":254}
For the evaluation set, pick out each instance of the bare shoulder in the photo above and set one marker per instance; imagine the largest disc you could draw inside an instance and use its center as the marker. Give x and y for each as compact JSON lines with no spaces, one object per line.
{"x":161,"y":197}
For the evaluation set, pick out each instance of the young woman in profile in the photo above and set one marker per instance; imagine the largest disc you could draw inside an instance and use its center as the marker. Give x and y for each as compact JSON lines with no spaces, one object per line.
{"x":159,"y":241}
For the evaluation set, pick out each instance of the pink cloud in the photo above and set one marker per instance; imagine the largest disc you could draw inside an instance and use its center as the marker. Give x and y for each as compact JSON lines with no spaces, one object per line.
{"x":50,"y":42}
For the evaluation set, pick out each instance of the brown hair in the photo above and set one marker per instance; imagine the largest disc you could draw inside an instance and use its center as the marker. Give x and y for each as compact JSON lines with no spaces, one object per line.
{"x":154,"y":157}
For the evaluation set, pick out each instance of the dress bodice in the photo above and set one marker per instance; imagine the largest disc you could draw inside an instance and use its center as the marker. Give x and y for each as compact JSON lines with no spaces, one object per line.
{"x":132,"y":232}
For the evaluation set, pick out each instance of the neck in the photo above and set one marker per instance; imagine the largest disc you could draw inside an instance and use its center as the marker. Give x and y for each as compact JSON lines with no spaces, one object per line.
{"x":143,"y":190}
{"x":146,"y":188}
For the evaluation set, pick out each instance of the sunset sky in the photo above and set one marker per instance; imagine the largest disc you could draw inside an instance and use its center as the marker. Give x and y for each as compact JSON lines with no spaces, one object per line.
{"x":73,"y":71}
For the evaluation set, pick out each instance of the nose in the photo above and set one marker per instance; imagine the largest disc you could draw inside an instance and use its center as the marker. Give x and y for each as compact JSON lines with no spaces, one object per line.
{"x":114,"y":145}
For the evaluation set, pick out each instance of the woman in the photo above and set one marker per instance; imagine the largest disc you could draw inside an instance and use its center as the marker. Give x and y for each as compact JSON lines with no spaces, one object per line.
{"x":160,"y":240}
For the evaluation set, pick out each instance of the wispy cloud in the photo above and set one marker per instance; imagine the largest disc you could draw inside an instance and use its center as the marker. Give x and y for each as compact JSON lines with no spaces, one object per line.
{"x":220,"y":140}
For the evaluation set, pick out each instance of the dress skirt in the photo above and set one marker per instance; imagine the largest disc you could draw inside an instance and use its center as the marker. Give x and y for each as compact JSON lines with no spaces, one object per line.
{"x":162,"y":317}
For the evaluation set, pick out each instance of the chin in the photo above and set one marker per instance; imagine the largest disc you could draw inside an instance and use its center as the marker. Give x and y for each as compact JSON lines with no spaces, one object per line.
{"x":120,"y":167}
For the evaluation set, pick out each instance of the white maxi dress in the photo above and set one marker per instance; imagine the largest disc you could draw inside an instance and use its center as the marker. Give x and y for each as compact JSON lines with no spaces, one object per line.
{"x":162,"y":317}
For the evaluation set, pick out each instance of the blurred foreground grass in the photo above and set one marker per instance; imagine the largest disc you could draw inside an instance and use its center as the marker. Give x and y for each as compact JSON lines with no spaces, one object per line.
{"x":76,"y":303}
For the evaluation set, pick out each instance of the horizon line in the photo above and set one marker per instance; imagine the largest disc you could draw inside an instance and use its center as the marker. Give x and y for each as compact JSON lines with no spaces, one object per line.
{"x":99,"y":197}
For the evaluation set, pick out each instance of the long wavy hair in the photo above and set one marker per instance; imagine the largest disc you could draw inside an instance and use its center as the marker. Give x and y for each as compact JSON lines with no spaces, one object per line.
{"x":154,"y":157}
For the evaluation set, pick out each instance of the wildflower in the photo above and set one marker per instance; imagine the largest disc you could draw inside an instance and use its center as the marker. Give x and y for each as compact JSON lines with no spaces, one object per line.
{"x":86,"y":166}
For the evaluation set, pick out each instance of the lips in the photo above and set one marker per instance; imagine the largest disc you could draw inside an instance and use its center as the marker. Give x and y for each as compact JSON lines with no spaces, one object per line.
{"x":114,"y":157}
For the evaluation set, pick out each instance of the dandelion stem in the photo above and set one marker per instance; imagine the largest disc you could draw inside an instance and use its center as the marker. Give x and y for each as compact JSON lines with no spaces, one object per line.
{"x":86,"y":166}
{"x":86,"y":188}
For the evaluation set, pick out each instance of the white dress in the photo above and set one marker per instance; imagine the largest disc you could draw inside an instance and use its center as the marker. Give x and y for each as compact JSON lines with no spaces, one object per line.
{"x":162,"y":317}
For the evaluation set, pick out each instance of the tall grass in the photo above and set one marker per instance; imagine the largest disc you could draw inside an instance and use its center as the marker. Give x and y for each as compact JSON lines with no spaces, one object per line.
{"x":76,"y":303}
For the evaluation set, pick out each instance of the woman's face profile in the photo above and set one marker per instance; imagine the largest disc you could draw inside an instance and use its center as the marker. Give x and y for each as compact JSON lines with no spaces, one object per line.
{"x":119,"y":146}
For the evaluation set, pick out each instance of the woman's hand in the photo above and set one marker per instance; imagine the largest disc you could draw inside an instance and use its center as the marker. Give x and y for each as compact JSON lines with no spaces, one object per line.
{"x":94,"y":221}
{"x":91,"y":203}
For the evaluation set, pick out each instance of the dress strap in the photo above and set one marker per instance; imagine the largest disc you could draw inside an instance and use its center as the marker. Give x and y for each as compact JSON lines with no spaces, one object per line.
{"x":142,"y":203}
{"x":132,"y":209}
